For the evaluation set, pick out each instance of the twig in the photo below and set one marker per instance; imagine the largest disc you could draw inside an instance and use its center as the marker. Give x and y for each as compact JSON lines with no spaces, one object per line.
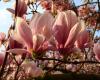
{"x":15,"y":76}
{"x":4,"y":64}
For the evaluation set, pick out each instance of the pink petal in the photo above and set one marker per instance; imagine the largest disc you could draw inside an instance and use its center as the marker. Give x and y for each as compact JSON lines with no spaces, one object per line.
{"x":33,"y":22}
{"x":16,"y":37}
{"x":43,"y":24}
{"x":38,"y":41}
{"x":71,"y":18}
{"x":60,"y":28}
{"x":72,"y":35}
{"x":18,"y":51}
{"x":14,"y":44}
{"x":64,"y":22}
{"x":31,"y":69}
{"x":24,"y":32}
{"x":82,"y":39}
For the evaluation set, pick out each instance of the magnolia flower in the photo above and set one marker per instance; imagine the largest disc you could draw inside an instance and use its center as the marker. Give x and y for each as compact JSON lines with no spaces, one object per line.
{"x":2,"y":37}
{"x":31,"y":69}
{"x":39,"y":31}
{"x":96,"y":50}
{"x":35,"y":35}
{"x":66,"y":29}
{"x":83,"y":40}
{"x":21,"y":8}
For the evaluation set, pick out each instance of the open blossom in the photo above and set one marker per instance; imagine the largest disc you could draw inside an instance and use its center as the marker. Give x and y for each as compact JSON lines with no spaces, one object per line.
{"x":66,"y":29}
{"x":2,"y":37}
{"x":96,"y":50}
{"x":43,"y":28}
{"x":35,"y":35}
{"x":31,"y":69}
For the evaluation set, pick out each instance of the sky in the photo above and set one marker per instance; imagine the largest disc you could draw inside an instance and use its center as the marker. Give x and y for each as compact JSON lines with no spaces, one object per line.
{"x":5,"y":16}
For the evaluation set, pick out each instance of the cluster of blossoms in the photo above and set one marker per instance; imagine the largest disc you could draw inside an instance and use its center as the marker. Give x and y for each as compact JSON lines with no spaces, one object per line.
{"x":64,"y":33}
{"x":89,"y":14}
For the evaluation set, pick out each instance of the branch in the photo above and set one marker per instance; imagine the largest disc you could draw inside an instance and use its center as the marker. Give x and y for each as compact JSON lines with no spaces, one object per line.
{"x":68,"y":75}
{"x":73,"y":76}
{"x":4,"y":64}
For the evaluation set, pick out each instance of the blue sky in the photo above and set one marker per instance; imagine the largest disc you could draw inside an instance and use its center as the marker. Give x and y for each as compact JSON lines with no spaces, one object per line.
{"x":5,"y":16}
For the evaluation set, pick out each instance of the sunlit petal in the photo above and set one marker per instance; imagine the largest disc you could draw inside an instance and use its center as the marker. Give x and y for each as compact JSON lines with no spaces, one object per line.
{"x":72,"y":35}
{"x":18,"y":51}
{"x":38,"y":41}
{"x":82,"y":39}
{"x":42,"y":24}
{"x":24,"y":32}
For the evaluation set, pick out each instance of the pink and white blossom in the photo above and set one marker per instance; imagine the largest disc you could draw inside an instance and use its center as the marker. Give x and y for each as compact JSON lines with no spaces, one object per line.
{"x":66,"y":30}
{"x":31,"y":69}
